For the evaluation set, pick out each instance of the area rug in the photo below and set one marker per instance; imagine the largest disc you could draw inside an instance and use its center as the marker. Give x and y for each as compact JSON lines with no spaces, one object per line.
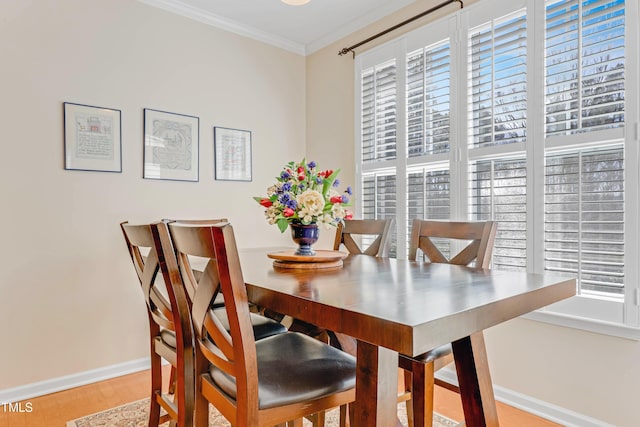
{"x":135,"y":415}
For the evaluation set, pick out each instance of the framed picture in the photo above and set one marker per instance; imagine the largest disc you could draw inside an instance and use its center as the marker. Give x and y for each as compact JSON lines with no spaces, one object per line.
{"x":171,"y":146}
{"x":92,"y":138}
{"x":232,"y":154}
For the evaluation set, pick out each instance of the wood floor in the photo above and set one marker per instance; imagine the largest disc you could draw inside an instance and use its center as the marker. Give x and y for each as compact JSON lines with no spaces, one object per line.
{"x":56,"y":409}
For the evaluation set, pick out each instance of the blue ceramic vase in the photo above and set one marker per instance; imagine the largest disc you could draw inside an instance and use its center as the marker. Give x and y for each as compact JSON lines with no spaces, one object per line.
{"x":304,"y":236}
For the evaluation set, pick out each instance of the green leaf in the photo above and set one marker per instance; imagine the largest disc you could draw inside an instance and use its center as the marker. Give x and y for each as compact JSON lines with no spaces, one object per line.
{"x":282,"y":224}
{"x":328,"y":181}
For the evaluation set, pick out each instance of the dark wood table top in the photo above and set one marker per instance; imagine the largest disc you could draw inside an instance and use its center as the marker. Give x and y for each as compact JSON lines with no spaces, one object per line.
{"x":409,"y":307}
{"x":393,"y":306}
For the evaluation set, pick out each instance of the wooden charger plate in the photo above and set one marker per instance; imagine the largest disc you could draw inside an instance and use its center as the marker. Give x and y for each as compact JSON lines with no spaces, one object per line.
{"x":322,"y":259}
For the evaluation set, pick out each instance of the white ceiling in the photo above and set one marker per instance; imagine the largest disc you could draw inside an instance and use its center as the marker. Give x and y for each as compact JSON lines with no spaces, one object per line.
{"x":301,"y":29}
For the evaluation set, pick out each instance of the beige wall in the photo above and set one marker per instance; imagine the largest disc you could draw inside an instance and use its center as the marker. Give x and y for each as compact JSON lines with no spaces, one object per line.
{"x":591,"y":374}
{"x":68,"y":296}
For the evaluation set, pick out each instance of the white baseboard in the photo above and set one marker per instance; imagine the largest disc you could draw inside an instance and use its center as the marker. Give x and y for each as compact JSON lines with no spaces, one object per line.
{"x":532,"y":405}
{"x":28,"y":391}
{"x":529,"y":404}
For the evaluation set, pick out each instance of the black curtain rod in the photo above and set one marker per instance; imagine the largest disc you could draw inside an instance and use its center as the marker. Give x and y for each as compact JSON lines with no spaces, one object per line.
{"x":346,"y":50}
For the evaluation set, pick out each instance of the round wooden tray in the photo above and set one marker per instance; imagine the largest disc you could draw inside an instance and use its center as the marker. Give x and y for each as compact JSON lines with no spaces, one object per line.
{"x":322,"y":259}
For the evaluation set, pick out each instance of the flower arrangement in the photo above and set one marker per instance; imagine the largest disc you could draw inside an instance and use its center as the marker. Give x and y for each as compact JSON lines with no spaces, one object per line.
{"x":304,"y":194}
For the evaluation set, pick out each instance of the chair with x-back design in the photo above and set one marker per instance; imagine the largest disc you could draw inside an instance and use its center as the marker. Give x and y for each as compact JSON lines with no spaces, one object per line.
{"x":377,"y":229}
{"x":251,"y":382}
{"x":478,"y":238}
{"x":170,"y":331}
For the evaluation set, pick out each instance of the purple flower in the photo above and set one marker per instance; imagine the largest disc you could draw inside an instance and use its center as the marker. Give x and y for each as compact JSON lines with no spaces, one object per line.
{"x":349,"y":191}
{"x":292,"y":204}
{"x":286,"y":186}
{"x":284,"y":198}
{"x":345,"y":198}
{"x":285,"y":175}
{"x":336,"y":182}
{"x":311,"y":164}
{"x":318,"y":180}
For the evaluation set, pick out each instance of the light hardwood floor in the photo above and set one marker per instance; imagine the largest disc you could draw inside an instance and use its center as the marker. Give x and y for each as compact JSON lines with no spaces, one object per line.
{"x":56,"y":409}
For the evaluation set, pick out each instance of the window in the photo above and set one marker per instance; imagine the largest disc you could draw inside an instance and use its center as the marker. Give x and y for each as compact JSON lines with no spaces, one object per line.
{"x":379,"y":201}
{"x":379,"y":112}
{"x":492,"y":114}
{"x":428,"y":100}
{"x":584,"y":66}
{"x":584,"y":178}
{"x":584,"y":218}
{"x":499,"y":192}
{"x":498,"y":81}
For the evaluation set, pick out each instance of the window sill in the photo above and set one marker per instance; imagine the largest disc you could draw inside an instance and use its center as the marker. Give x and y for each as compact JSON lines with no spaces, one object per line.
{"x":590,"y":325}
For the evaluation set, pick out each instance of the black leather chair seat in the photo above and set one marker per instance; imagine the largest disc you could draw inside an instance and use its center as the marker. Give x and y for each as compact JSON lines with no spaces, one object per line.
{"x":310,"y":370}
{"x":263,"y":327}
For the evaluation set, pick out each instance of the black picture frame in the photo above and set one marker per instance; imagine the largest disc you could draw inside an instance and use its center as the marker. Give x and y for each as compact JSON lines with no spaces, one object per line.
{"x":171,"y":146}
{"x":232,"y":154}
{"x":92,"y":138}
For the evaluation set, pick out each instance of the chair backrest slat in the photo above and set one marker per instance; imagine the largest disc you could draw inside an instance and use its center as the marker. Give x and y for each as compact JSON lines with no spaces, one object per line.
{"x":481,"y":235}
{"x":380,"y":228}
{"x":188,"y":284}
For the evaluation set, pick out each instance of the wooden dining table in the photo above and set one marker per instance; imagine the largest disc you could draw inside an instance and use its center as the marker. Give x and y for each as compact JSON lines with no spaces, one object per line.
{"x":396,"y":306}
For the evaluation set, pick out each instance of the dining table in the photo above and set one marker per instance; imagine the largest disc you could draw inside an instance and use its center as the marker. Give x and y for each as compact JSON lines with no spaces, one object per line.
{"x":392,"y":306}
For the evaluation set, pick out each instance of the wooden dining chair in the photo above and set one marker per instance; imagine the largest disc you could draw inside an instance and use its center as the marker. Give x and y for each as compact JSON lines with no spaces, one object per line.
{"x":430,"y":238}
{"x":350,"y":234}
{"x":170,"y":331}
{"x":252,"y":383}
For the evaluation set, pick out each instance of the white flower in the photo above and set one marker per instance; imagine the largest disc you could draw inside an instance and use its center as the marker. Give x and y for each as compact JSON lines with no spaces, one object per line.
{"x":326,"y":220}
{"x":271,"y":212}
{"x":338,"y":211}
{"x":311,"y":203}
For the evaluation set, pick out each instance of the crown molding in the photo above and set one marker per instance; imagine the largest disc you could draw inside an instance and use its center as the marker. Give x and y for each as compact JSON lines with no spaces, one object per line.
{"x":179,"y":8}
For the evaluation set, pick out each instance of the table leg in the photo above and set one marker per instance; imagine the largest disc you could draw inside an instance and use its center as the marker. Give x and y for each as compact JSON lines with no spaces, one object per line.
{"x":476,"y":389}
{"x":376,"y":386}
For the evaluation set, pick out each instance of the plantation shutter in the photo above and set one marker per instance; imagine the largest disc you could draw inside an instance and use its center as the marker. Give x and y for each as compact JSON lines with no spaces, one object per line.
{"x":378,"y":111}
{"x":428,"y":99}
{"x":584,"y":218}
{"x":498,"y":192}
{"x":584,"y":69}
{"x":498,"y":81}
{"x":428,"y":198}
{"x":584,"y":186}
{"x":379,"y":201}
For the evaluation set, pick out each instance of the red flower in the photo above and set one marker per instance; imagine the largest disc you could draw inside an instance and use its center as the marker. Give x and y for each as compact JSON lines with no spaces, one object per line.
{"x":301,"y":177}
{"x":336,"y":199}
{"x":266,"y":203}
{"x":348,"y":215}
{"x":300,"y":170}
{"x":288,"y":212}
